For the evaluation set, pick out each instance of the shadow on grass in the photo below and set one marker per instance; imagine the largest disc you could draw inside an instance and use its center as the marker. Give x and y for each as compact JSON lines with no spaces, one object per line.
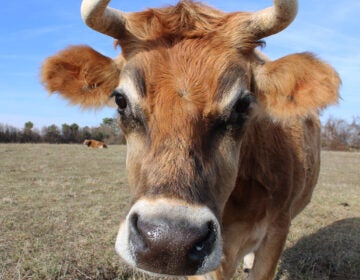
{"x":331,"y":253}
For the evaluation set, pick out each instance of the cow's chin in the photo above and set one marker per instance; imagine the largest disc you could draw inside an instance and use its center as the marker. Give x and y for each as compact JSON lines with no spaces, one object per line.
{"x":168,"y":237}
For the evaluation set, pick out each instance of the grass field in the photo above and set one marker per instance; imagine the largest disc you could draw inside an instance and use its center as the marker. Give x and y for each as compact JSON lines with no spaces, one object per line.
{"x":60,"y":207}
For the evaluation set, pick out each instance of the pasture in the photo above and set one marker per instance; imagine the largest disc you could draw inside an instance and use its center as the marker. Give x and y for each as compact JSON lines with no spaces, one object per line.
{"x":60,"y":208}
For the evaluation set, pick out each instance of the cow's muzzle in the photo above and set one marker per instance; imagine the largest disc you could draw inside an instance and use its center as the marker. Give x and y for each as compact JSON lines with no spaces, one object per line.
{"x":167,"y":237}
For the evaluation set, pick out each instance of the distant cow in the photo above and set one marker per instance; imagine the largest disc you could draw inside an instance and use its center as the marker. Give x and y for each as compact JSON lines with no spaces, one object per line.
{"x":223,"y":145}
{"x":94,"y":144}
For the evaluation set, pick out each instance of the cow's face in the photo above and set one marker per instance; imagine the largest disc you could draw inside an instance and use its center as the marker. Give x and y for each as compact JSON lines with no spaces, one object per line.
{"x":185,"y":87}
{"x":183,"y":123}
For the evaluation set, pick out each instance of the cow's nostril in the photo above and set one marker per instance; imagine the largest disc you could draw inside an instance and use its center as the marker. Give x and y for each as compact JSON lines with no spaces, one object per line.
{"x":133,"y":219}
{"x":205,"y":245}
{"x":137,"y":238}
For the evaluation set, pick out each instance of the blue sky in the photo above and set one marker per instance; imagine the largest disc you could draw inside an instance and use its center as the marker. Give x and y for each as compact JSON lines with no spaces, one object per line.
{"x":32,"y":30}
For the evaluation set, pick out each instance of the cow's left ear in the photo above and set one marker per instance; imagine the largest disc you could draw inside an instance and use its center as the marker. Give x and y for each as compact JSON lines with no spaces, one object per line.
{"x":295,"y":85}
{"x":81,"y":75}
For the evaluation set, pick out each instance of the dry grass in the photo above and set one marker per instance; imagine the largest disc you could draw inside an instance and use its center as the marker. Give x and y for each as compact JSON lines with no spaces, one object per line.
{"x":60,"y":207}
{"x":324,"y":241}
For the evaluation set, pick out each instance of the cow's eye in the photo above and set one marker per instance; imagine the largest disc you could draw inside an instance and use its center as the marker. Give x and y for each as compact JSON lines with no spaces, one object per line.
{"x":120,"y":101}
{"x":242,"y":105}
{"x":240,"y":109}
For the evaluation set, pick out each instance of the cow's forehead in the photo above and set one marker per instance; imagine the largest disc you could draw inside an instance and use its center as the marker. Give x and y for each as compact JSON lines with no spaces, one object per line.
{"x":198,"y":72}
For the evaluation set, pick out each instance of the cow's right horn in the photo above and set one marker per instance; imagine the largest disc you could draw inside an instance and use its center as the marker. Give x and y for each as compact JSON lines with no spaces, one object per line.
{"x":273,"y":19}
{"x":97,"y":15}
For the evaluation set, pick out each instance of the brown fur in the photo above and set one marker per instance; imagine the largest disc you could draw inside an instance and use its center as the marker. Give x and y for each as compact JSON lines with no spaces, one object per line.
{"x":296,"y":84}
{"x":82,"y":75}
{"x":164,"y":26}
{"x":254,"y":180}
{"x":94,"y":144}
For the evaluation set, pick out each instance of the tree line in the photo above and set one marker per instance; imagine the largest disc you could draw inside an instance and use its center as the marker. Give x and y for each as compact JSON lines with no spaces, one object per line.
{"x":337,"y":134}
{"x":340,"y":135}
{"x":108,"y":131}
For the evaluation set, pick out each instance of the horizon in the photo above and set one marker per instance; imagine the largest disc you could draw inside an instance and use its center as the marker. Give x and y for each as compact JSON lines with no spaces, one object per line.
{"x":330,"y":30}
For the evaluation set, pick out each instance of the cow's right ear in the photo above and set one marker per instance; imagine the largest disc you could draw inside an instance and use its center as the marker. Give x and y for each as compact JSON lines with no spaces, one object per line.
{"x":296,"y":85}
{"x":81,"y":75}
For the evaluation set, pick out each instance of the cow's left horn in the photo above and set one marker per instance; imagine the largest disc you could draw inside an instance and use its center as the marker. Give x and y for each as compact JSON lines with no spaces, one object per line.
{"x":273,"y":19}
{"x":97,"y":15}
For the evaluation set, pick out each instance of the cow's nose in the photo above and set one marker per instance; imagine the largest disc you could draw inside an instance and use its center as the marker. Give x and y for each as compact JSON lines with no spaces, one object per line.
{"x":171,"y":246}
{"x":167,"y":236}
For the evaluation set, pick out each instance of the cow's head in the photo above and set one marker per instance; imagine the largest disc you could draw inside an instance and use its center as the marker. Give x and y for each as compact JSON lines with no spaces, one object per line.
{"x":186,"y":84}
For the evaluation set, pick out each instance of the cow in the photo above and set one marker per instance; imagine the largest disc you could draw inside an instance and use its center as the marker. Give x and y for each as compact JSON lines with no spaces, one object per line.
{"x":94,"y":144}
{"x":223,"y":144}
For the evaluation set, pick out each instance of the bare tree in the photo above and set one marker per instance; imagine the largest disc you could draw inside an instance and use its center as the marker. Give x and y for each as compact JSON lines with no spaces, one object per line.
{"x":338,"y":134}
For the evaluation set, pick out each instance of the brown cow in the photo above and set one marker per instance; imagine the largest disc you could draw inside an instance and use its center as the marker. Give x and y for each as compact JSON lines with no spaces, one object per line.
{"x":94,"y":144}
{"x":223,"y":145}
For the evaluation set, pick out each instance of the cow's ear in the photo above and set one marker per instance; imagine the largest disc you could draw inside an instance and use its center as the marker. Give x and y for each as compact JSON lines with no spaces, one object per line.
{"x":81,"y":75}
{"x":296,"y":85}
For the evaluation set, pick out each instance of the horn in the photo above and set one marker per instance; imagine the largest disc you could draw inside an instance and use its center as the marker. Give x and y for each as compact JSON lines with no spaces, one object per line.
{"x":273,"y":19}
{"x":98,"y":16}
